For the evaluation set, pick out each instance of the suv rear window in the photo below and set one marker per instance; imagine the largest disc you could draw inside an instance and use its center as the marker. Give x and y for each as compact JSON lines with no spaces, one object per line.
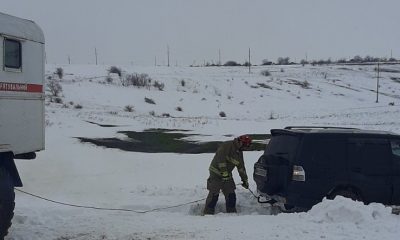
{"x":283,"y":145}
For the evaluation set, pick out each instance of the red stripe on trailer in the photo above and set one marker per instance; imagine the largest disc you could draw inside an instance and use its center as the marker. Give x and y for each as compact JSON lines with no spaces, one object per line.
{"x":35,"y":88}
{"x":21,"y":87}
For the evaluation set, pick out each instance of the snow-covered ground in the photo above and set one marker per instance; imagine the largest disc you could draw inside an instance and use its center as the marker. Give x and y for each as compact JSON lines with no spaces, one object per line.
{"x":83,"y":174}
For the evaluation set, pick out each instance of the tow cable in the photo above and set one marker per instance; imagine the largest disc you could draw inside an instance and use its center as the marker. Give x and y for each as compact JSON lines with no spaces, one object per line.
{"x":270,"y":201}
{"x":108,"y":209}
{"x":129,"y":210}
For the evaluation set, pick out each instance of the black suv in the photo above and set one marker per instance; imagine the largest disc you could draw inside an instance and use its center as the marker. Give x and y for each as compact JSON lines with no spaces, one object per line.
{"x":302,"y":165}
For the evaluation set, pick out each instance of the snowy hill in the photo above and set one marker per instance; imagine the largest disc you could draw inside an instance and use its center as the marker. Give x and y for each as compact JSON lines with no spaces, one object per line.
{"x":192,"y":100}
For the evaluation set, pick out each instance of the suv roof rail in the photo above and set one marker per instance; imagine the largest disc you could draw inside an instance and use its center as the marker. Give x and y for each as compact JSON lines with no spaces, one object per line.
{"x":318,"y":127}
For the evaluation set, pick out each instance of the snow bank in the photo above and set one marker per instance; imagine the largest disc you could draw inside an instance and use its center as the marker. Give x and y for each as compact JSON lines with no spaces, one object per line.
{"x":344,"y":210}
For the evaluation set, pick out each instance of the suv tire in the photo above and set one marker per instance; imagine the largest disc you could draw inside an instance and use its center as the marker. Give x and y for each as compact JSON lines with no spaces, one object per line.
{"x":347,"y":194}
{"x":7,"y":204}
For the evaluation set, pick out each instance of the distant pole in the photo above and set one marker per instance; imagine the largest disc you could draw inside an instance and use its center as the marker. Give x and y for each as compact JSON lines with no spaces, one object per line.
{"x":155,"y":61}
{"x":249,"y":62}
{"x":69,"y":60}
{"x":377,"y":85}
{"x":168,"y":54}
{"x":95,"y":53}
{"x":219,"y":57}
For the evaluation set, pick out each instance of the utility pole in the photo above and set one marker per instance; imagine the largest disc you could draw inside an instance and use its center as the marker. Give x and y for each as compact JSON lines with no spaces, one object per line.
{"x":377,"y":85}
{"x":168,"y":54}
{"x":69,"y":60}
{"x":95,"y":53}
{"x":219,"y":57}
{"x":249,"y":62}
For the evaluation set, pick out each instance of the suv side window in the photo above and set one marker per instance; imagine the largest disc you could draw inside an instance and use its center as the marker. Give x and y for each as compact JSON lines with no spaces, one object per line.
{"x":370,"y":156}
{"x":395,"y":144}
{"x":12,"y":54}
{"x":327,"y":156}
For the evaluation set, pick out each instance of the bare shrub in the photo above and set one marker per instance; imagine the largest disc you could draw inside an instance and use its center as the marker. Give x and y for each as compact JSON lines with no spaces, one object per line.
{"x":283,"y":61}
{"x":391,"y":104}
{"x":149,"y":100}
{"x":54,"y":87}
{"x":78,"y":106}
{"x":158,"y":85}
{"x":152,"y":113}
{"x":183,"y":83}
{"x":179,"y":109}
{"x":265,"y":73}
{"x":222,"y":114}
{"x":271,"y":116}
{"x":116,"y":70}
{"x":58,"y":100}
{"x":59,"y":72}
{"x":109,"y":79}
{"x":305,"y":84}
{"x":128,"y":108}
{"x":138,"y":80}
{"x":266,"y":62}
{"x":166,"y":115}
{"x":65,"y":106}
{"x":231,"y":63}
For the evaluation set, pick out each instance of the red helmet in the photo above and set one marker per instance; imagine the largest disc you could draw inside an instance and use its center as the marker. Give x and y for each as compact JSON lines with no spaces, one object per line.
{"x":245,"y":140}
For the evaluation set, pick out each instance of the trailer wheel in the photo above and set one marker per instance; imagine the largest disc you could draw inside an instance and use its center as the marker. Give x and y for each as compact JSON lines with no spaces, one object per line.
{"x":7,"y":204}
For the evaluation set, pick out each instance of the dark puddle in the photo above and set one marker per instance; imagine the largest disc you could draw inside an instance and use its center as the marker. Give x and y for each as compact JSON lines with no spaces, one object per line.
{"x":166,"y":141}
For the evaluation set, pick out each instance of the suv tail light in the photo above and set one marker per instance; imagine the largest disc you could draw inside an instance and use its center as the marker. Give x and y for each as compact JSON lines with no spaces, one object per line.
{"x":298,"y":174}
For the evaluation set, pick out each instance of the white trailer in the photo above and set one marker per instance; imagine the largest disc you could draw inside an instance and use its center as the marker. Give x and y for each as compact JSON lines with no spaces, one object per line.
{"x":21,"y":104}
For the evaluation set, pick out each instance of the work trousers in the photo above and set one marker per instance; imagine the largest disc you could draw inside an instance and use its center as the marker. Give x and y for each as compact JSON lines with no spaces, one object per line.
{"x":215,"y":185}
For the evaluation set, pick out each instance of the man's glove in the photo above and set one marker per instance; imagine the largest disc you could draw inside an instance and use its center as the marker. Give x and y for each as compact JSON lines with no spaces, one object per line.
{"x":245,"y":184}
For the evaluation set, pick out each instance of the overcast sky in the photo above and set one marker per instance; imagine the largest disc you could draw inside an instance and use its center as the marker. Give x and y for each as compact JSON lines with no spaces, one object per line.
{"x":138,"y":31}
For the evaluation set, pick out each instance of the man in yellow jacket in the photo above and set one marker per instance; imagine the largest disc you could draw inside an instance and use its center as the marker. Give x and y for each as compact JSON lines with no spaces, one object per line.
{"x":228,"y":156}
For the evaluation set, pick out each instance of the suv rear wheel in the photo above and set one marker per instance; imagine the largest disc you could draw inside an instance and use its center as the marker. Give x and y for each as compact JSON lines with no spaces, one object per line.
{"x":347,"y":193}
{"x":7,"y":204}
